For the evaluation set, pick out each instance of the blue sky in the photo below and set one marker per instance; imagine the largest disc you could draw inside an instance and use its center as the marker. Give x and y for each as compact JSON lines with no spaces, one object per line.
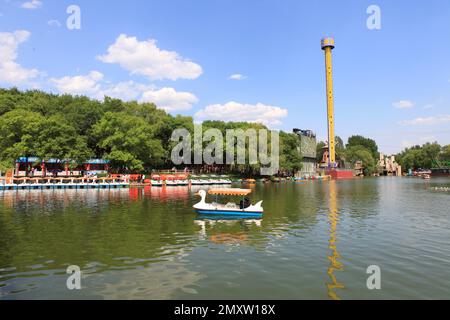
{"x":391,"y":84}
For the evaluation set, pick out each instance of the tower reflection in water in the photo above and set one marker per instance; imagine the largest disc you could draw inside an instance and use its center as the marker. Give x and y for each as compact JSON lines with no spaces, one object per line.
{"x":335,"y":264}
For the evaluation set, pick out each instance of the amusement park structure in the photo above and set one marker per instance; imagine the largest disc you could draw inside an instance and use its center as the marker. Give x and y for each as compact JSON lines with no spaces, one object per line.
{"x":328,"y":45}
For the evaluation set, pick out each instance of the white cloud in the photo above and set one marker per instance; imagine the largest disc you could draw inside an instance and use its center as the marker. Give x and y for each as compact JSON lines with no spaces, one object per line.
{"x":127,"y":90}
{"x":169,"y":99}
{"x":92,"y":85}
{"x":80,"y":85}
{"x":427,"y":121}
{"x":33,"y":4}
{"x":54,"y":23}
{"x":10,"y":71}
{"x":403,"y":104}
{"x":145,"y":58}
{"x":235,"y":111}
{"x":237,"y":76}
{"x":428,"y":106}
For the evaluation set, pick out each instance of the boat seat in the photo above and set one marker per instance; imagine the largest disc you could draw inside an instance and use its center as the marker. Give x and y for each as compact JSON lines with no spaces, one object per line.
{"x":231,"y":205}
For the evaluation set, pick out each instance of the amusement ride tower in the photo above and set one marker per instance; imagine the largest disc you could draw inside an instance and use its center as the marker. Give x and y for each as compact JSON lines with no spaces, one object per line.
{"x":327,"y":46}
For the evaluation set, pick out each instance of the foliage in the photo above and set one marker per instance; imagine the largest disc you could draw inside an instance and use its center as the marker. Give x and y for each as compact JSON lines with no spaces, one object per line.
{"x":290,"y":157}
{"x":445,"y":153}
{"x":133,"y":136}
{"x":320,"y":150}
{"x":360,"y":153}
{"x":128,"y":141}
{"x":422,"y":157}
{"x":367,"y":143}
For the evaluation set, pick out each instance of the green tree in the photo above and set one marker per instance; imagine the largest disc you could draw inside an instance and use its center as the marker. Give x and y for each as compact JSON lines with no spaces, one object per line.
{"x":53,"y":139}
{"x":420,"y":157}
{"x":360,"y":153}
{"x":128,"y":141}
{"x":445,"y":154}
{"x":16,"y":133}
{"x":290,"y":158}
{"x":320,"y":150}
{"x":367,"y":143}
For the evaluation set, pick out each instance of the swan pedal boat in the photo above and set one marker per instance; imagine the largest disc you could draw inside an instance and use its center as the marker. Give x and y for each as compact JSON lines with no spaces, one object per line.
{"x":230,"y":208}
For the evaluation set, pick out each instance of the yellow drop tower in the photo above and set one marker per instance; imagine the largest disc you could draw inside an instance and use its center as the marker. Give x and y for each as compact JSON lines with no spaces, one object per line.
{"x":328,"y":46}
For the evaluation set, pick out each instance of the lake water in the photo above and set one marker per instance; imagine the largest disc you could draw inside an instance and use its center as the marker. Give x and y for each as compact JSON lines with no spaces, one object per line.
{"x":315,"y":241}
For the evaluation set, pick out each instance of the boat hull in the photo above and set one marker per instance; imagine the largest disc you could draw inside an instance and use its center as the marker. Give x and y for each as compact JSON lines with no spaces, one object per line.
{"x":440,"y":172}
{"x":230,"y":213}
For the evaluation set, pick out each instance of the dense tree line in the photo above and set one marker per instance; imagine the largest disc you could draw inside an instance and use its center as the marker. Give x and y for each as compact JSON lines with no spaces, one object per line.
{"x":427,"y":156}
{"x":359,"y":148}
{"x":133,"y":136}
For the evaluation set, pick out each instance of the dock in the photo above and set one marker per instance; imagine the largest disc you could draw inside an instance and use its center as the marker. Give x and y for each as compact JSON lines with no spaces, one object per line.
{"x":62,"y":183}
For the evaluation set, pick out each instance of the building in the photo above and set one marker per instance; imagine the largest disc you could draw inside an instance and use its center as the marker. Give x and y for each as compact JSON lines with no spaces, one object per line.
{"x":387,"y":166}
{"x":33,"y":166}
{"x":308,"y":146}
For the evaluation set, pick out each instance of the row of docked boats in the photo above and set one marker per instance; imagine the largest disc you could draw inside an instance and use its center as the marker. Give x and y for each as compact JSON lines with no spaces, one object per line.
{"x":63,"y":183}
{"x":193,"y":180}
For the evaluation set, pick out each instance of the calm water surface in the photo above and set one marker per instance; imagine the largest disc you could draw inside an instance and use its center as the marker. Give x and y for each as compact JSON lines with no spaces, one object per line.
{"x":316,"y":241}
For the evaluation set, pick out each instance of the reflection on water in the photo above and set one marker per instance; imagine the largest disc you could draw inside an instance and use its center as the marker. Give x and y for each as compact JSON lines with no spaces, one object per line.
{"x":148,"y":243}
{"x":226,"y":229}
{"x":335,"y":264}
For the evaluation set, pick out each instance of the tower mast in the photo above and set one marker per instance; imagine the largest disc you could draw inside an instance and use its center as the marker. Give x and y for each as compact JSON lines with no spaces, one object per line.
{"x":328,"y":46}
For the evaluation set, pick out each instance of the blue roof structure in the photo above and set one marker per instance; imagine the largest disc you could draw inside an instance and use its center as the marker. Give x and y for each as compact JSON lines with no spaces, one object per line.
{"x":36,"y":159}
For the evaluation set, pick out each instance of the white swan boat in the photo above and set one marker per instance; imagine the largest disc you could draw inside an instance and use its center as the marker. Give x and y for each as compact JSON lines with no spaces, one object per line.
{"x":242,"y":209}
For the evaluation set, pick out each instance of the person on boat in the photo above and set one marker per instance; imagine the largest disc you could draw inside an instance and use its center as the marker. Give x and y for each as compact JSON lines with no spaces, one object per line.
{"x":244,"y":204}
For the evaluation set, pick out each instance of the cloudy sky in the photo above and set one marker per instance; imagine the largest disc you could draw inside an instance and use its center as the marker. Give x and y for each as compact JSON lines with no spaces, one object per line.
{"x":244,"y":60}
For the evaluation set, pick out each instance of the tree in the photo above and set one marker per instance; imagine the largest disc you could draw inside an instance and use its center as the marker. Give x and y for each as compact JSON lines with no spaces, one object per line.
{"x":445,"y":154}
{"x":290,"y":158}
{"x":53,"y":139}
{"x":360,"y":153}
{"x":26,"y":133}
{"x":367,"y":143}
{"x":16,"y":129}
{"x":320,"y":150}
{"x":128,"y":141}
{"x":420,"y":157}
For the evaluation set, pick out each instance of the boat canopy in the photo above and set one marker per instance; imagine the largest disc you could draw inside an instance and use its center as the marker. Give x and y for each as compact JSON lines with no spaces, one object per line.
{"x":230,"y":192}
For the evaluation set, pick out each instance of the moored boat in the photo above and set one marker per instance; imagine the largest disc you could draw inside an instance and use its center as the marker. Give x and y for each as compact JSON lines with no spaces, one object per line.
{"x":171,"y":183}
{"x":225,"y":180}
{"x":156,"y":183}
{"x":182,"y":182}
{"x":441,"y":172}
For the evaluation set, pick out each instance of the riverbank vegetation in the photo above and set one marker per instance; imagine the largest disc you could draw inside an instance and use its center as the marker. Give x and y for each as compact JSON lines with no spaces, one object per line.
{"x":359,"y":148}
{"x":427,"y":156}
{"x":134,"y":136}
